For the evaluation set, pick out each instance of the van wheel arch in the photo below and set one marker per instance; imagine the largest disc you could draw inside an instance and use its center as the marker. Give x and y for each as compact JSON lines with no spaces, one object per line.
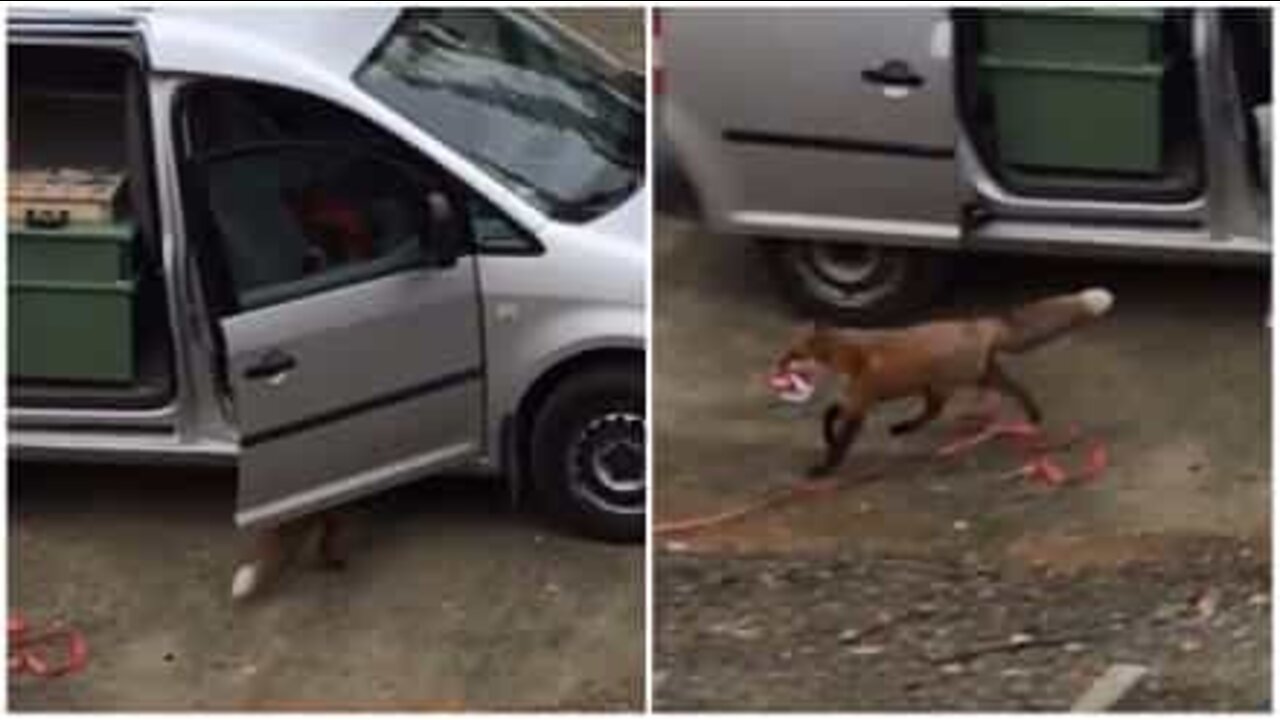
{"x":543,"y":388}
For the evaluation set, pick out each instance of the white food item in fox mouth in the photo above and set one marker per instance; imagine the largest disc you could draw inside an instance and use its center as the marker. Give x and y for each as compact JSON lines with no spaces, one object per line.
{"x":794,"y":388}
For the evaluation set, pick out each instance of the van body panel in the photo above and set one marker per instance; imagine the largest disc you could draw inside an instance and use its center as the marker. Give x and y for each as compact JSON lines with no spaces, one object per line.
{"x":249,"y":41}
{"x":384,"y":374}
{"x":1170,"y":244}
{"x":126,"y":447}
{"x":582,"y":294}
{"x":807,"y":156}
{"x":830,"y":143}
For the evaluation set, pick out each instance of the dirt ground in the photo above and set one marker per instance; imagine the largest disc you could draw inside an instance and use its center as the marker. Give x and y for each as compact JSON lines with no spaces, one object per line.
{"x":450,"y":601}
{"x":1163,"y":560}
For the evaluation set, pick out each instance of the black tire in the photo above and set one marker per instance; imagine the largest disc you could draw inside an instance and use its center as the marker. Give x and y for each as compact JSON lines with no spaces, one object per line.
{"x":855,"y":284}
{"x":589,"y":429}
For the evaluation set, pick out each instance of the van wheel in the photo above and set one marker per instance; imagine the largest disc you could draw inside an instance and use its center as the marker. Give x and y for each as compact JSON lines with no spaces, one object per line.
{"x":856,"y":284}
{"x":588,"y":453}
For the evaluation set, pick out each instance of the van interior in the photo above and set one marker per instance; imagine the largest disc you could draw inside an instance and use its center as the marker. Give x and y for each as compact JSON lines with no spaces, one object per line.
{"x":83,"y":110}
{"x":1177,"y":172}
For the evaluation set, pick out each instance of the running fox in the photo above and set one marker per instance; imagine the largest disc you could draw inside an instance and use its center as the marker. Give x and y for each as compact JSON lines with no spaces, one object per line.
{"x":930,"y":361}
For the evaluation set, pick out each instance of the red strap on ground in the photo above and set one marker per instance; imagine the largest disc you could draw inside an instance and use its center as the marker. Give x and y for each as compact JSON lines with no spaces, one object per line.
{"x":1097,"y":462}
{"x":993,"y":431}
{"x":30,"y":653}
{"x":1041,"y":468}
{"x":768,"y":499}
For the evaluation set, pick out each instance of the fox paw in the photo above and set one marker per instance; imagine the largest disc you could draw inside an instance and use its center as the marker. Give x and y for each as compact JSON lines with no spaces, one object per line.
{"x":245,"y":582}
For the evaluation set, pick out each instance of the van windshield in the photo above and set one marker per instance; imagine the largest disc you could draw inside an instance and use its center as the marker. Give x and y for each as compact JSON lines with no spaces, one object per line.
{"x":509,"y":90}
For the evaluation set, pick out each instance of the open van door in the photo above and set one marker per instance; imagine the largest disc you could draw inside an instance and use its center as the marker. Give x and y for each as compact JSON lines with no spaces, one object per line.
{"x":848,"y":131}
{"x":350,"y":319}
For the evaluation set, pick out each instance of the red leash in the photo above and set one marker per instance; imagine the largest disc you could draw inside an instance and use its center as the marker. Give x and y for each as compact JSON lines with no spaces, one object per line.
{"x":769,"y":499}
{"x":1041,"y":468}
{"x":25,"y":659}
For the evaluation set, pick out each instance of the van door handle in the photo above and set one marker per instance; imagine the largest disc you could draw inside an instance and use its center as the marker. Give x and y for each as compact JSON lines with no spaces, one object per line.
{"x":273,"y":366}
{"x":893,"y":72}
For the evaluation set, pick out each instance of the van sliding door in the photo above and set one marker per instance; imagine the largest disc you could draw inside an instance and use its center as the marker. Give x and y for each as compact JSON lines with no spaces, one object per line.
{"x":847,"y":129}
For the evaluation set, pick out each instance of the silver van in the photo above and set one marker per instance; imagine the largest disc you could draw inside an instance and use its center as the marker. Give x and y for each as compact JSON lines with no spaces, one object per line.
{"x":867,"y":147}
{"x":366,"y":245}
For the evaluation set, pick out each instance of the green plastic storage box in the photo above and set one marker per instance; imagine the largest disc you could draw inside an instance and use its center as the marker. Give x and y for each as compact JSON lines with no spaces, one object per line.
{"x":1076,"y":117}
{"x":67,"y":331}
{"x":73,"y":253}
{"x":1123,"y":36}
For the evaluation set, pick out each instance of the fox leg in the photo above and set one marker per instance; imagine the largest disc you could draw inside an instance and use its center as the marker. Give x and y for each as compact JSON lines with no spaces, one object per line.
{"x":268,"y":555}
{"x":837,"y":449}
{"x":841,"y":424}
{"x":830,"y":419}
{"x":997,"y":378}
{"x":934,"y":401}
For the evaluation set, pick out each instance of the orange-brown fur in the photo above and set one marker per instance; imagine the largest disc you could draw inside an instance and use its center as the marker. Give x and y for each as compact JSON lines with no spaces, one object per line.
{"x":930,"y":361}
{"x":276,"y":547}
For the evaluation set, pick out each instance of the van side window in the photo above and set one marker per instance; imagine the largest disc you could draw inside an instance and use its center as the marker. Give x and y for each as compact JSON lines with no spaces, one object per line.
{"x":224,"y":115}
{"x":297,"y":195}
{"x":294,"y":223}
{"x":298,"y":219}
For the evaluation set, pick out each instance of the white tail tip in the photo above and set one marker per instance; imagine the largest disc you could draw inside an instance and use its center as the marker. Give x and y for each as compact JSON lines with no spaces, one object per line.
{"x":1097,"y":300}
{"x":244,"y":582}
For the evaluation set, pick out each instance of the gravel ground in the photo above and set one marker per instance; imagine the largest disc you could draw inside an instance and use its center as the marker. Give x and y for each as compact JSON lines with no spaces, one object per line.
{"x":1175,"y":381}
{"x":895,"y":633}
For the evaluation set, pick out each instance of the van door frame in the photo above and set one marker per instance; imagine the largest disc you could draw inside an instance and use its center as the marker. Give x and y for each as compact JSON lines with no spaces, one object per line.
{"x":997,"y":201}
{"x":1225,"y":213}
{"x":105,"y":432}
{"x":1233,"y":214}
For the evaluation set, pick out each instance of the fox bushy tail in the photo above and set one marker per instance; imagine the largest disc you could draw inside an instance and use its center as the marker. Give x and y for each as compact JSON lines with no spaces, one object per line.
{"x":1034,"y":324}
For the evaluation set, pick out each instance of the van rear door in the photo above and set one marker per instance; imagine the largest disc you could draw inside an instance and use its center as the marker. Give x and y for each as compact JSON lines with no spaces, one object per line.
{"x":824,"y":123}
